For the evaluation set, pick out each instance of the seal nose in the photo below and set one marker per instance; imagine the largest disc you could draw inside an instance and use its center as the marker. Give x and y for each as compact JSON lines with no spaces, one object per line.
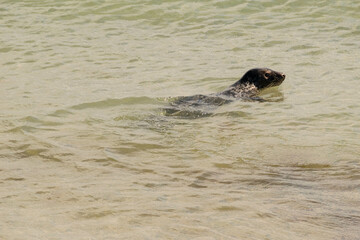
{"x":283,"y":75}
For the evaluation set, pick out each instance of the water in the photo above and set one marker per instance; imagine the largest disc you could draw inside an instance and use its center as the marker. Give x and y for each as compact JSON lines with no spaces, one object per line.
{"x":87,"y":153}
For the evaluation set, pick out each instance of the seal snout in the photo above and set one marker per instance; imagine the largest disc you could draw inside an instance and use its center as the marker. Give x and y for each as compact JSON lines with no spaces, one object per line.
{"x":282,"y":75}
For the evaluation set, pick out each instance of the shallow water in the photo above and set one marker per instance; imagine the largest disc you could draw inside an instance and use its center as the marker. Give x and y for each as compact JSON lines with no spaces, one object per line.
{"x":87,"y":153}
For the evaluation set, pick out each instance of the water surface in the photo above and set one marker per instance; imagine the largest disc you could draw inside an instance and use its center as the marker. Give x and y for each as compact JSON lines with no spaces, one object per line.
{"x":87,"y":153}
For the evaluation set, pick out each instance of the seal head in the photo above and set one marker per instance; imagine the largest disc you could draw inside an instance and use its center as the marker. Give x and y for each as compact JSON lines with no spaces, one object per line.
{"x":253,"y":81}
{"x":261,"y":78}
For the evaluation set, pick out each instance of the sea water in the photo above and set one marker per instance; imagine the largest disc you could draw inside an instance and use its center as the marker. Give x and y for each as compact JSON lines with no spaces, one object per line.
{"x":87,"y":153}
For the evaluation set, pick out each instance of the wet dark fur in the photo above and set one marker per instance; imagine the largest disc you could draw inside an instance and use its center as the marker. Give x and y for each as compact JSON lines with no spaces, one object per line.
{"x":247,"y":88}
{"x":253,"y":82}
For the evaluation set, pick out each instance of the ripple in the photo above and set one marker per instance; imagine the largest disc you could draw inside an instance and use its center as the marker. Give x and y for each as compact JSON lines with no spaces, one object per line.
{"x":115,"y":102}
{"x":94,"y":213}
{"x":14,"y":179}
{"x":85,"y":145}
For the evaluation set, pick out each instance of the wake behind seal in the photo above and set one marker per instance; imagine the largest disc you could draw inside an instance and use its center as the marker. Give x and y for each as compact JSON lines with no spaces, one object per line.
{"x":246,"y":88}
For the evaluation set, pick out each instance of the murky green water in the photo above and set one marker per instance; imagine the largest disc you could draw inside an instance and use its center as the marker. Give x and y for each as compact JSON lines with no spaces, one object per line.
{"x":87,"y":153}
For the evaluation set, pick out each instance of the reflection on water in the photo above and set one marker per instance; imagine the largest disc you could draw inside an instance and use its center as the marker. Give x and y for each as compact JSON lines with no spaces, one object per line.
{"x":87,"y":151}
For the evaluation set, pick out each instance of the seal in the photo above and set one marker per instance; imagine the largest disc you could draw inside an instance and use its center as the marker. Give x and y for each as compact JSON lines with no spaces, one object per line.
{"x":247,"y":88}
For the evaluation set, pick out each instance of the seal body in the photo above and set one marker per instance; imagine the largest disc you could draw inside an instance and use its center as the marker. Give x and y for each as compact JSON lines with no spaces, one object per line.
{"x":246,"y":88}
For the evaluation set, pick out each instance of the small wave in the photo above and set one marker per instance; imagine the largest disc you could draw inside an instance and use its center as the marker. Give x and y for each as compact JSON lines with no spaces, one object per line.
{"x":26,"y":129}
{"x":38,"y":122}
{"x":185,"y":113}
{"x":60,"y":113}
{"x":235,"y":114}
{"x":113,"y":102}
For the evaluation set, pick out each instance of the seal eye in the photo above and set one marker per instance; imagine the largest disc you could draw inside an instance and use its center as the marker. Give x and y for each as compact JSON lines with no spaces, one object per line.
{"x":267,"y":75}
